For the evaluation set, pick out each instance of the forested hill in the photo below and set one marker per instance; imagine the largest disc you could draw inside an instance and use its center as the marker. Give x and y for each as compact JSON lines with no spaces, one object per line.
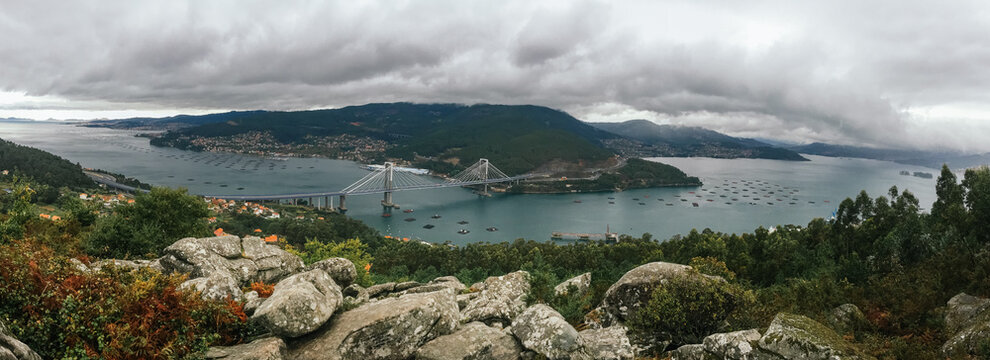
{"x":515,"y":138}
{"x":42,"y":167}
{"x":668,"y":140}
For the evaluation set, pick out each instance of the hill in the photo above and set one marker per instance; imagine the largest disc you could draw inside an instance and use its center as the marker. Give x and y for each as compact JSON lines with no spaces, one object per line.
{"x":651,"y":139}
{"x":42,"y":167}
{"x":517,"y":139}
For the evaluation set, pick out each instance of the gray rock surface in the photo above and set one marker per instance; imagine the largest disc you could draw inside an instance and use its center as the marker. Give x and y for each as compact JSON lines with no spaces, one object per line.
{"x":967,"y":320}
{"x":501,"y":299}
{"x":13,"y":349}
{"x":541,"y":329}
{"x":252,"y":301}
{"x":379,"y":290}
{"x":691,"y":352}
{"x":299,"y":304}
{"x":962,"y":310}
{"x":271,"y":348}
{"x":633,"y":290}
{"x":609,"y":343}
{"x":581,"y":282}
{"x":847,"y":318}
{"x":474,"y":341}
{"x":390,"y":328}
{"x":217,"y":286}
{"x":798,"y":337}
{"x":736,"y":345}
{"x":341,"y":270}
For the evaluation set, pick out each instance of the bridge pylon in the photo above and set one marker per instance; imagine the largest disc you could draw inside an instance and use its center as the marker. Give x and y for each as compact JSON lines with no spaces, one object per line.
{"x":389,"y":179}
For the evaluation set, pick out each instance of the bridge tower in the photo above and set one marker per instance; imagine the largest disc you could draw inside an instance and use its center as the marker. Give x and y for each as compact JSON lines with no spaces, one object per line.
{"x":483,"y":174}
{"x":343,"y":204}
{"x":389,"y":185}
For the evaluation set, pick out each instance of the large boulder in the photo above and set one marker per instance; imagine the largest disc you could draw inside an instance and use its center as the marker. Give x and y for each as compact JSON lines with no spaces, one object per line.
{"x":501,"y":299}
{"x":13,"y":349}
{"x":216,"y":286}
{"x":341,"y":270}
{"x":967,"y":320}
{"x":271,"y":348}
{"x":581,"y":282}
{"x":299,"y":304}
{"x":390,"y":328}
{"x":440,"y":283}
{"x":846,"y":318}
{"x":247,"y":260}
{"x":634,"y":289}
{"x":541,"y":329}
{"x":609,"y":343}
{"x":474,"y":341}
{"x":243,"y":261}
{"x":798,"y":337}
{"x":733,"y":345}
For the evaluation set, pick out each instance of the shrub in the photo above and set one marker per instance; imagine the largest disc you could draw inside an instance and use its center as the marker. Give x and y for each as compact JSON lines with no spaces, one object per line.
{"x":685,"y":309}
{"x":62,"y":312}
{"x":263,"y":290}
{"x":353,"y":249}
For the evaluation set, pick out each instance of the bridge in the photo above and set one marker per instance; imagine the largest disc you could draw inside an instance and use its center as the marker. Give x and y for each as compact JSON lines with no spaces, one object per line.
{"x":387,"y":180}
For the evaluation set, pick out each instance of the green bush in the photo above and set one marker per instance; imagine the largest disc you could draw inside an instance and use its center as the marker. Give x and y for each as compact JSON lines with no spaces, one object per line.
{"x":685,"y":309}
{"x":153,"y":222}
{"x":353,"y":249}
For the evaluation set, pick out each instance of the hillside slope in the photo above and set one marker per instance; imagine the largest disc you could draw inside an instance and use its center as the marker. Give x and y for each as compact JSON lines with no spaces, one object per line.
{"x":42,"y":167}
{"x":652,"y":139}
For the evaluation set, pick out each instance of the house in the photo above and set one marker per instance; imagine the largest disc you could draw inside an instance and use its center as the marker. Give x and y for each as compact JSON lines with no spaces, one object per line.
{"x":83,"y":196}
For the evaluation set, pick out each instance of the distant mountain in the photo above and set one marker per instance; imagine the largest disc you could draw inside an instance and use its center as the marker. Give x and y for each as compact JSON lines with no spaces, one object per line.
{"x":651,"y":139}
{"x":932,"y":159}
{"x":171,"y":122}
{"x":517,"y":139}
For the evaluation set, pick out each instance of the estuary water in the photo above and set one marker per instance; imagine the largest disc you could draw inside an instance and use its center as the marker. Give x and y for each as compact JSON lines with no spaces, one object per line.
{"x":737,"y":196}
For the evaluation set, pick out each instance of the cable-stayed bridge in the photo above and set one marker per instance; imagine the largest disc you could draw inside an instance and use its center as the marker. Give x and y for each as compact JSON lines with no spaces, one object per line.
{"x":387,"y":180}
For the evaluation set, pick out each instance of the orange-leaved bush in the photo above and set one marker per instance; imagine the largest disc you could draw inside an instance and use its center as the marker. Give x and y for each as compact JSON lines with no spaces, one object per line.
{"x":63,"y":312}
{"x":264,"y":290}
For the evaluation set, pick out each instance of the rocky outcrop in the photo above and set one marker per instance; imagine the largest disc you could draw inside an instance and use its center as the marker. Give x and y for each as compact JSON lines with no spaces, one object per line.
{"x":474,"y":341}
{"x":541,"y":329}
{"x":299,"y":304}
{"x":440,"y":283}
{"x":252,"y":301}
{"x":581,"y":282}
{"x":243,"y":261}
{"x":610,"y":343}
{"x":847,"y":318}
{"x":126,"y":264}
{"x":967,"y":319}
{"x":627,"y":295}
{"x":262,"y":349}
{"x":500,"y":300}
{"x":737,"y":345}
{"x":798,"y":337}
{"x":216,"y":286}
{"x":13,"y":349}
{"x":341,"y":270}
{"x":390,"y":328}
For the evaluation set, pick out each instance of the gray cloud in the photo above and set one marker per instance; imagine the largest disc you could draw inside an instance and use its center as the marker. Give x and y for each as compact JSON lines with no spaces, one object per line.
{"x":840,"y":71}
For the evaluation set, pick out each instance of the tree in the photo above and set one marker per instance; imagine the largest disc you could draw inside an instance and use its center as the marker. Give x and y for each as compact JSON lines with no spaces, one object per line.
{"x":976,"y":182}
{"x":949,"y":208}
{"x":153,"y":222}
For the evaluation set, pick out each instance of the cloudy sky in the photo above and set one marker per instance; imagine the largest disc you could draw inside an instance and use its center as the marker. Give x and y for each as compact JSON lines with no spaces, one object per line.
{"x":885,"y":73}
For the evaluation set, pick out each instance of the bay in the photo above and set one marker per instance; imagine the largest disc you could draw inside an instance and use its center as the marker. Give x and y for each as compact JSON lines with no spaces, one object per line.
{"x":736,"y":196}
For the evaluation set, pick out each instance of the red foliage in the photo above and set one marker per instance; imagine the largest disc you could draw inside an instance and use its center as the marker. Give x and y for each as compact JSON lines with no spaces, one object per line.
{"x":264,"y":290}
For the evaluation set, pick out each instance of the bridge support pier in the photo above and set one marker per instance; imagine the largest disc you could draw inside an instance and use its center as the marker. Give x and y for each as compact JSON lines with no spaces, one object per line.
{"x":343,"y":204}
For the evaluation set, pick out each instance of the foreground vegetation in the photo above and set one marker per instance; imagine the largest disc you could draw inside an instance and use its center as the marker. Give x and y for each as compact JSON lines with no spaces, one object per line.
{"x":899,"y":265}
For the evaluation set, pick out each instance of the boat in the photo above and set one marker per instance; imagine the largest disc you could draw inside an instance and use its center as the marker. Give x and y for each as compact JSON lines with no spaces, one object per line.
{"x":410,"y":219}
{"x":386,"y":215}
{"x":435,"y":216}
{"x":642,"y":203}
{"x":462,"y":231}
{"x":636,"y":199}
{"x":407,"y":211}
{"x":577,"y":201}
{"x":462,"y":222}
{"x":612,"y":202}
{"x":492,"y":228}
{"x":428,"y":226}
{"x":694,"y":204}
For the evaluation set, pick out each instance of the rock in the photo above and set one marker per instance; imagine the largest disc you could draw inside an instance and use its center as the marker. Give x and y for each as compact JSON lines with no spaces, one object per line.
{"x":541,"y":329}
{"x":406,"y":286}
{"x":846,"y":318}
{"x":125,"y":264}
{"x":627,"y":295}
{"x":962,"y":310}
{"x":245,"y":260}
{"x":478,"y":286}
{"x":252,"y":301}
{"x":218,"y":286}
{"x":341,"y":270}
{"x":390,"y":328}
{"x":502,"y":299}
{"x":464,"y":299}
{"x":610,"y":343}
{"x":78,"y":265}
{"x":446,"y":282}
{"x":271,"y":348}
{"x":735,"y":345}
{"x":475,"y":341}
{"x":379,"y":290}
{"x":798,"y":337}
{"x":691,"y":352}
{"x":581,"y":282}
{"x":969,"y":342}
{"x":299,"y":304}
{"x":354,"y":290}
{"x":13,"y":349}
